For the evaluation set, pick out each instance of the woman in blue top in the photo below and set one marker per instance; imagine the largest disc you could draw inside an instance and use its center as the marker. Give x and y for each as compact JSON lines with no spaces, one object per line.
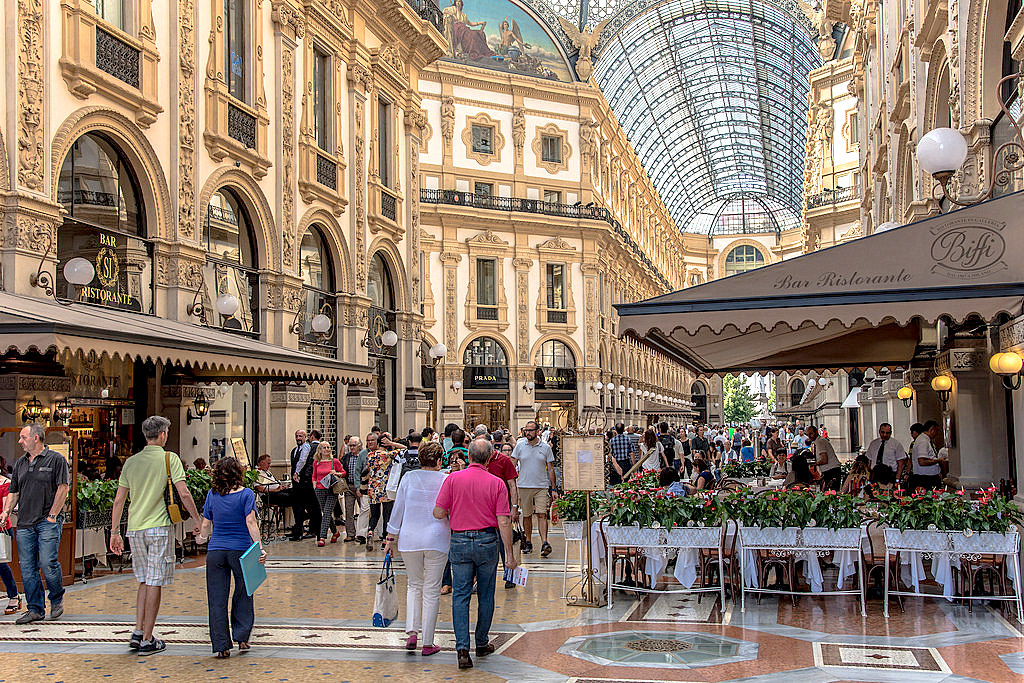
{"x":229,"y":522}
{"x":747,"y":451}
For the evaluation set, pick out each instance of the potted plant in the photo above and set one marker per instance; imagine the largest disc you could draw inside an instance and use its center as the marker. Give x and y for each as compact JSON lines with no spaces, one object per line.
{"x":747,"y":470}
{"x":631,"y":518}
{"x":951,"y":522}
{"x":836,"y":521}
{"x":691,"y":522}
{"x":572,"y":510}
{"x":95,"y":501}
{"x":796,"y":519}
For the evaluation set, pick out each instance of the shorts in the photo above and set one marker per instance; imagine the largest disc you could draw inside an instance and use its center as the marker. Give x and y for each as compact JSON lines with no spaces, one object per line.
{"x":153,"y":555}
{"x":534,"y":501}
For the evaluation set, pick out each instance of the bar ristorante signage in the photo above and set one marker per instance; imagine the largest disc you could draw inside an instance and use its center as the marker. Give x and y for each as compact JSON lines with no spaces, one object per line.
{"x":123,"y":271}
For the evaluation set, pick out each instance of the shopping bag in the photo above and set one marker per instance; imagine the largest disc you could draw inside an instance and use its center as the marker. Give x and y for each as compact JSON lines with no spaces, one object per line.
{"x":385,"y":602}
{"x":5,"y":547}
{"x":394,"y":478}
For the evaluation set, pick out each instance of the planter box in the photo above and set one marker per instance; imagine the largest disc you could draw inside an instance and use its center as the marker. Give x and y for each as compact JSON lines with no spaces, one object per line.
{"x":694,"y":537}
{"x":573,"y":531}
{"x":633,"y":535}
{"x":952,"y":541}
{"x":94,"y":519}
{"x":986,"y":542}
{"x":818,"y":537}
{"x":769,"y":537}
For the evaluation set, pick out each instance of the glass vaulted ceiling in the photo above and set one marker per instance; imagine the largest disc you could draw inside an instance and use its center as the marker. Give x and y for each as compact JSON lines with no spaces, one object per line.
{"x":713,"y":96}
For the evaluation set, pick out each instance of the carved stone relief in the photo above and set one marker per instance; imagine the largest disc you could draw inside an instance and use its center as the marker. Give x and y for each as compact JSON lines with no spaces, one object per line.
{"x":30,"y":95}
{"x":522,"y":266}
{"x":186,"y":176}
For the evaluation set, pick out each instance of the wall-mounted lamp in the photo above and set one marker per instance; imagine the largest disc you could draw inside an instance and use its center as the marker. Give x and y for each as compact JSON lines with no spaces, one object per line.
{"x":1008,"y":366}
{"x":528,"y":387}
{"x":320,"y":324}
{"x":598,"y":387}
{"x":622,"y":388}
{"x":77,"y":271}
{"x":387,"y":339}
{"x":905,"y":394}
{"x":226,"y":304}
{"x":434,"y":355}
{"x":456,"y":386}
{"x":62,"y":410}
{"x":943,"y":386}
{"x":202,"y":406}
{"x":630,"y":391}
{"x":32,"y":411}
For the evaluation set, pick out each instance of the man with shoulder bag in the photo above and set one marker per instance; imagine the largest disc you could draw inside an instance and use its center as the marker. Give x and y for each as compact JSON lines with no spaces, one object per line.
{"x":154,"y":479}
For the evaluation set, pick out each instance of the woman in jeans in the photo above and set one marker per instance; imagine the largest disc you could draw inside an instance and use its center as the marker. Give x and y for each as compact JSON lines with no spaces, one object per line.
{"x":13,"y":597}
{"x":325,"y":463}
{"x":378,"y":467}
{"x":229,"y":523}
{"x":423,"y":542}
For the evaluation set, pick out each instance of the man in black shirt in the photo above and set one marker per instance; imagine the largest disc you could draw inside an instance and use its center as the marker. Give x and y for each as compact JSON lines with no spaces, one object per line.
{"x":39,"y":482}
{"x":699,"y":446}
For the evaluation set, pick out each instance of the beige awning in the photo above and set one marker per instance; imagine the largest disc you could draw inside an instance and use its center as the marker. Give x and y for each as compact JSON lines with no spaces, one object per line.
{"x":857,"y":304}
{"x":35,"y":324}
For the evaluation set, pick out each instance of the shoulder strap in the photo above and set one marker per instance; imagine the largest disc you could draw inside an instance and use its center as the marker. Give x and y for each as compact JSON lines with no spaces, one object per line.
{"x":170,"y":484}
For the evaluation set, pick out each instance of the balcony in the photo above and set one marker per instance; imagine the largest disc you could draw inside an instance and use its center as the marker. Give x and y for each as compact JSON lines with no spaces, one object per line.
{"x":326,"y":172}
{"x":428,"y":11}
{"x":117,"y":58}
{"x":832,"y":197}
{"x":242,"y":126}
{"x":388,"y":205}
{"x":520,"y":205}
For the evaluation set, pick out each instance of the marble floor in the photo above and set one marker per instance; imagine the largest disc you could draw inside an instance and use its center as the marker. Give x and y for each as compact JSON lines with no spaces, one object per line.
{"x":313,"y":624}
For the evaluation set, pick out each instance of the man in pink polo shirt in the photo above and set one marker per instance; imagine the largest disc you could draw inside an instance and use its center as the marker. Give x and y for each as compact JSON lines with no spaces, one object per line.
{"x":476,"y":504}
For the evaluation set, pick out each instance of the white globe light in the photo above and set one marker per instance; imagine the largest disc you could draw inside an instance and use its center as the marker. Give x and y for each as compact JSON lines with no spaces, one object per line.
{"x":629,"y":391}
{"x":438,"y":350}
{"x":389,"y":338}
{"x":599,"y":386}
{"x":79,"y":272}
{"x":622,"y":388}
{"x":887,"y":226}
{"x":226,"y":304}
{"x":530,"y":385}
{"x":456,"y":385}
{"x":320,"y":323}
{"x":811,"y":383}
{"x":647,"y":394}
{"x":942,"y":150}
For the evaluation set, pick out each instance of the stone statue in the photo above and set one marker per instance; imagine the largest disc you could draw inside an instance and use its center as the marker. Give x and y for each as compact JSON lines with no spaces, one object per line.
{"x":585,"y":41}
{"x":816,"y":15}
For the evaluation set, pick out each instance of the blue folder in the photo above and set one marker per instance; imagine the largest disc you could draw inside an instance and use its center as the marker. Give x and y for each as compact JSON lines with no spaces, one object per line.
{"x":253,"y":572}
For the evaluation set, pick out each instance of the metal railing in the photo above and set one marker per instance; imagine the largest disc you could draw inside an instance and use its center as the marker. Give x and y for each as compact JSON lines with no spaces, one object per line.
{"x":242,"y":126}
{"x":428,"y":10}
{"x":388,"y":206}
{"x":829,"y":197}
{"x":326,"y":172}
{"x":117,"y":58}
{"x":519,"y":204}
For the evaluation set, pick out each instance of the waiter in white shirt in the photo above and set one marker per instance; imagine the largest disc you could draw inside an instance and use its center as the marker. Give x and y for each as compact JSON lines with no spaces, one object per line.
{"x":887,"y":456}
{"x":926,"y":463}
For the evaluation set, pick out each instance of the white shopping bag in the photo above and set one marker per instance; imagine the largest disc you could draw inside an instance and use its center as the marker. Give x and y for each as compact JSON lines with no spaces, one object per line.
{"x":5,"y":548}
{"x":385,"y":602}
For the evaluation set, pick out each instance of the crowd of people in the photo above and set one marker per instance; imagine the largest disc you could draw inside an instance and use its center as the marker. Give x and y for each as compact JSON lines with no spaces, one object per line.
{"x":450,"y":503}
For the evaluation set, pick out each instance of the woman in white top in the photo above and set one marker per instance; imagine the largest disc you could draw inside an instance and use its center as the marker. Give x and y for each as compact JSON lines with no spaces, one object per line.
{"x":423,"y":542}
{"x":652,"y":453}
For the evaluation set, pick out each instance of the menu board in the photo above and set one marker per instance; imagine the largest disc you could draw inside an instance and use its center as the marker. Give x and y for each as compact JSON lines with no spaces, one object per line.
{"x":238,"y":446}
{"x":583,"y":463}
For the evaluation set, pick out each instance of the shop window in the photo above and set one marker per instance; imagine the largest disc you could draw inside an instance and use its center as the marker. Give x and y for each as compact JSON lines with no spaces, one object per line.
{"x":317,"y":272}
{"x":236,"y":52}
{"x":484,"y":351}
{"x":556,"y":312}
{"x":230,"y":264}
{"x":486,"y":367}
{"x":555,"y":354}
{"x":486,"y":289}
{"x":743,"y":258}
{"x":553,"y":196}
{"x":378,"y":285}
{"x":104,"y":223}
{"x":483,"y":139}
{"x":483,"y":189}
{"x":322,"y":98}
{"x":551,"y":149}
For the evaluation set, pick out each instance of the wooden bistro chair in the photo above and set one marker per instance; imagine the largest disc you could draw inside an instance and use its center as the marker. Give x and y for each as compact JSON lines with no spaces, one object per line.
{"x":873,"y":559}
{"x":709,"y":568}
{"x":624,"y":563}
{"x":971,"y":568}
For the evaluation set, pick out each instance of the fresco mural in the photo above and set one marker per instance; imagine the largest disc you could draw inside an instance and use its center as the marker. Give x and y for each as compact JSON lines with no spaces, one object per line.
{"x":499,"y":35}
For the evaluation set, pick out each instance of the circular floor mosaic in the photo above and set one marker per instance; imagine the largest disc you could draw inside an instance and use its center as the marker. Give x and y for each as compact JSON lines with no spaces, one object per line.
{"x":686,"y":650}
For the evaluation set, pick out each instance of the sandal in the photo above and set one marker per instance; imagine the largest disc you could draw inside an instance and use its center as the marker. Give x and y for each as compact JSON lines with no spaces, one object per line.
{"x":244,"y":646}
{"x":224,"y":655}
{"x":13,"y":606}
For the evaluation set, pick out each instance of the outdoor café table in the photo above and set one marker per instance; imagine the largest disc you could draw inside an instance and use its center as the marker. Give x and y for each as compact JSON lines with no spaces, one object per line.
{"x":782,"y":542}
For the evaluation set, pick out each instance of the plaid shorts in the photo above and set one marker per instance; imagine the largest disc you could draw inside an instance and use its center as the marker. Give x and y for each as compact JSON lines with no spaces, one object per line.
{"x":153,"y":555}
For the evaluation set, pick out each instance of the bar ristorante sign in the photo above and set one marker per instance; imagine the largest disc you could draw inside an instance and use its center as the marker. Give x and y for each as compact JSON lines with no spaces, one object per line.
{"x":123,"y":271}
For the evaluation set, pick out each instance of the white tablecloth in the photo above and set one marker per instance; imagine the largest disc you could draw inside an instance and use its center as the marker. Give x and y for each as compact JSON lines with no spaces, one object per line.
{"x":685,"y":572}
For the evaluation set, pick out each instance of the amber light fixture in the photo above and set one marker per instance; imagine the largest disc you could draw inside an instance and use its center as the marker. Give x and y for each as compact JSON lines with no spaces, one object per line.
{"x":1008,"y":366}
{"x":905,"y":394}
{"x":943,"y":386}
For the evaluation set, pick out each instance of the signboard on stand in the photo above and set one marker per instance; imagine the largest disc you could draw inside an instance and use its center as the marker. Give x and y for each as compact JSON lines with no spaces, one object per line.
{"x":583,"y":463}
{"x":238,"y":446}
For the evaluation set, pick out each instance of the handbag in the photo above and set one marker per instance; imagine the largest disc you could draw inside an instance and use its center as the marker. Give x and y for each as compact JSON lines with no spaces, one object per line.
{"x":5,"y":547}
{"x":394,"y":479}
{"x":385,"y":602}
{"x":340,"y":487}
{"x":174,"y":510}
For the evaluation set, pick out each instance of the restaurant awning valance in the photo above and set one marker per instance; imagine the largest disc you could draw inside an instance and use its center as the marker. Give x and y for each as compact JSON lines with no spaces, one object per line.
{"x":857,"y":304}
{"x":34,"y":324}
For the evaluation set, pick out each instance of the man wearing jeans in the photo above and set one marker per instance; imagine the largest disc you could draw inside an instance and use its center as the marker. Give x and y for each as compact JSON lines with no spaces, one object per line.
{"x":476,"y":504}
{"x":39,"y":481}
{"x":145,"y":477}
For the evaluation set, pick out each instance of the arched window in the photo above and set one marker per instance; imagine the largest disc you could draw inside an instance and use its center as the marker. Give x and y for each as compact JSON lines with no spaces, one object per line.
{"x":317,"y":271}
{"x":796,"y":391}
{"x":743,"y":258}
{"x":484,"y":352}
{"x":96,"y":186}
{"x":555,"y":354}
{"x":231,"y":262}
{"x":379,"y":286}
{"x":698,"y":389}
{"x":105,"y":224}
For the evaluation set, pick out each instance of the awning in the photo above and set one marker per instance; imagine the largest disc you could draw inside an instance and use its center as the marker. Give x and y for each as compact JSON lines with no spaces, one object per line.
{"x":808,"y":405}
{"x":851,"y":399}
{"x":42,"y":325}
{"x":858,"y":304}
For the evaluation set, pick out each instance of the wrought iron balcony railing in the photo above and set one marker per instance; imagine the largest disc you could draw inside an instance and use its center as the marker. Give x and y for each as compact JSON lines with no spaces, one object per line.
{"x":326,"y":172}
{"x":117,"y":58}
{"x":519,"y":204}
{"x":242,"y":126}
{"x":388,"y":206}
{"x":428,"y":10}
{"x":829,"y":197}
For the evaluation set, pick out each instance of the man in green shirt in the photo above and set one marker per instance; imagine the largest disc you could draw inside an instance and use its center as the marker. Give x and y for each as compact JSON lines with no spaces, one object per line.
{"x":144,"y":479}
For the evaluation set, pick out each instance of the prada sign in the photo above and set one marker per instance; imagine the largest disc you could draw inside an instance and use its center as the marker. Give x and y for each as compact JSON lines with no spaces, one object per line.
{"x":485,"y":377}
{"x":555,"y":379}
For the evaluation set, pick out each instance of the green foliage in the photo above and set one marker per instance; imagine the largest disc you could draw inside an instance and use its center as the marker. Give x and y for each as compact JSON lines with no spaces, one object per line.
{"x":572,"y":506}
{"x":794,"y":509}
{"x":738,"y":403}
{"x":199,"y":483}
{"x":97,"y":495}
{"x":950,"y":512}
{"x":747,"y":470}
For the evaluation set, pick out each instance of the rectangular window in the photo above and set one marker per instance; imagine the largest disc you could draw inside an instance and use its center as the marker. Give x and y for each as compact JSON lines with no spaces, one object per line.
{"x":113,"y":12}
{"x":601,"y":297}
{"x":483,"y":139}
{"x":553,"y":196}
{"x":384,"y":141}
{"x":551,"y":149}
{"x":321,"y":98}
{"x":235,"y":21}
{"x":556,"y":286}
{"x":484,"y":189}
{"x":486,"y":282}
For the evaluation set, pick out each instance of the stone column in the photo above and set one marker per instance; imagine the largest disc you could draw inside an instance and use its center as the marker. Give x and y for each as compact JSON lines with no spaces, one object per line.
{"x":449,"y":400}
{"x":359,"y":411}
{"x":522,"y":401}
{"x":288,"y":409}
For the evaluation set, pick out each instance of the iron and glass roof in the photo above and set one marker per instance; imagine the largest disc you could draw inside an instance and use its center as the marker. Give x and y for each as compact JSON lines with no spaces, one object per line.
{"x":712,"y":95}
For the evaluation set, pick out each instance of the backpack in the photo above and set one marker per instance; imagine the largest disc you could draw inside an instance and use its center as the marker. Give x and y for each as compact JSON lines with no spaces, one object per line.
{"x":668,"y":442}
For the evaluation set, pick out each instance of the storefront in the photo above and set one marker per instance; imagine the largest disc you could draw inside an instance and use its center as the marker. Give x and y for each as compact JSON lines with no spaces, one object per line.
{"x":485,"y":384}
{"x":555,"y":385}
